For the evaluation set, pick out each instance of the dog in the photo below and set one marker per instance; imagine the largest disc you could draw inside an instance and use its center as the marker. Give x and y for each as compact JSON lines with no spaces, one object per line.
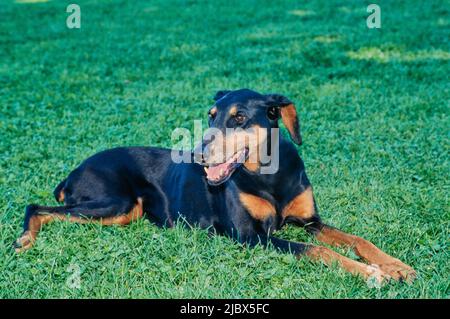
{"x":226,"y":194}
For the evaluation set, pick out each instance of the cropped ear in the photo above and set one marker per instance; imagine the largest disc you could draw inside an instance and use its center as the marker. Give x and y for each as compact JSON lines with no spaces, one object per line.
{"x":220,"y":94}
{"x":288,"y":115}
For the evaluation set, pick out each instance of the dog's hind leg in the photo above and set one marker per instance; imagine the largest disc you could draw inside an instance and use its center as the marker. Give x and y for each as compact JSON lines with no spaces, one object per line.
{"x":58,"y":193}
{"x":112,"y":212}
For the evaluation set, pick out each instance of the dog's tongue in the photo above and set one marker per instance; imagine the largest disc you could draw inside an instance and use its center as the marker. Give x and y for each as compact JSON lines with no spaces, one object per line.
{"x":216,"y":172}
{"x":219,"y":171}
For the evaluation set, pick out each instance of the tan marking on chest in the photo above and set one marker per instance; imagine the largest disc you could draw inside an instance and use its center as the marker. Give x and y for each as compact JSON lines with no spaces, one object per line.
{"x":301,"y":206}
{"x":257,"y":207}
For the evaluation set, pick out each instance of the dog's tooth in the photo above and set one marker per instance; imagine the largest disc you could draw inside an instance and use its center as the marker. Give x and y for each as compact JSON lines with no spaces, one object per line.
{"x":206,"y":170}
{"x":221,"y":171}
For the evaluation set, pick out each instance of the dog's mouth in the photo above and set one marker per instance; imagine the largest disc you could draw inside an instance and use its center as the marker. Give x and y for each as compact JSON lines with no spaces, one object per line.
{"x":217,"y":174}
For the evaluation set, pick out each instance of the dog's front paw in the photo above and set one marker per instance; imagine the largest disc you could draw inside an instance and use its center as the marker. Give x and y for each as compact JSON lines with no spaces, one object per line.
{"x":398,"y":270}
{"x":24,"y":242}
{"x":376,"y":277}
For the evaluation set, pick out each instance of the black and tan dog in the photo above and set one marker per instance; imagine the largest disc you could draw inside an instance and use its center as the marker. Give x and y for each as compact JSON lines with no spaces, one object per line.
{"x":232,"y":198}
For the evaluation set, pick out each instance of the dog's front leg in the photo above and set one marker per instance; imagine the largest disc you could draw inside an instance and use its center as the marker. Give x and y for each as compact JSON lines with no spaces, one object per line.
{"x":366,"y":250}
{"x":323,"y":254}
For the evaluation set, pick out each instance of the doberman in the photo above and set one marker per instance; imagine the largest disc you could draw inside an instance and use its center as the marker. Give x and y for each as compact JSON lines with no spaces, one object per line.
{"x":226,"y":194}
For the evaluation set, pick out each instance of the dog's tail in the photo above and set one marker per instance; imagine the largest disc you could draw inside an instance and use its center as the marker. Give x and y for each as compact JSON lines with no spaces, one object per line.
{"x":58,"y":192}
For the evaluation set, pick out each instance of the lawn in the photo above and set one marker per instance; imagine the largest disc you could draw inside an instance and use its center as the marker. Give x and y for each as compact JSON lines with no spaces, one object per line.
{"x":374,"y":108}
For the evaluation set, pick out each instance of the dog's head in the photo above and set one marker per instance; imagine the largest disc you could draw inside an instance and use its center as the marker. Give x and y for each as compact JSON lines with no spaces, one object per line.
{"x":240,"y":124}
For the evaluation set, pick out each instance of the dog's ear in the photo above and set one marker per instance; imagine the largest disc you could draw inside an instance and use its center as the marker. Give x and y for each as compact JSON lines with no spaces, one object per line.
{"x":286,"y":108}
{"x":220,"y":94}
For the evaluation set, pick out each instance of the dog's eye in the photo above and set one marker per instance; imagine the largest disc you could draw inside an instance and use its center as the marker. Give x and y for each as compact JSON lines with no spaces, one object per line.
{"x":211,"y":115}
{"x":240,"y":118}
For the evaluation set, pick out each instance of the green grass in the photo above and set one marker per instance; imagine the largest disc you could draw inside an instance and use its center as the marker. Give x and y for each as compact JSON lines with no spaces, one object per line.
{"x":374,"y":107}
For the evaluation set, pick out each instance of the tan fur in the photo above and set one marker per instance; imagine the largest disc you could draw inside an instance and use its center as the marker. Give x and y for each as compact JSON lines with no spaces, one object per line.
{"x":233,"y":110}
{"x":329,"y":257}
{"x":368,"y":251}
{"x":224,"y":147}
{"x":257,"y":207}
{"x":252,"y":167}
{"x":61,"y":196}
{"x":289,"y":118}
{"x":38,"y":221}
{"x":302,"y":206}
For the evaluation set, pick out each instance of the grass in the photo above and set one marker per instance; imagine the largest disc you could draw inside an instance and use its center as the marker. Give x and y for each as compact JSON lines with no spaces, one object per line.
{"x":374,"y":107}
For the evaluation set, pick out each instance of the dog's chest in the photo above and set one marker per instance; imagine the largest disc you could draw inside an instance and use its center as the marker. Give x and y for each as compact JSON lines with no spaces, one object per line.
{"x":259,"y":208}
